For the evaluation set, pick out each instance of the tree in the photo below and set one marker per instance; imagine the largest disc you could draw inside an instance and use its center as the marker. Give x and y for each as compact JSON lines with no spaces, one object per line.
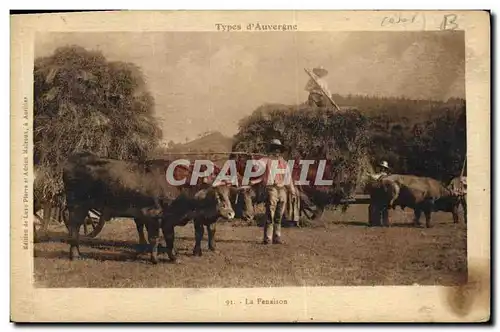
{"x":82,"y":102}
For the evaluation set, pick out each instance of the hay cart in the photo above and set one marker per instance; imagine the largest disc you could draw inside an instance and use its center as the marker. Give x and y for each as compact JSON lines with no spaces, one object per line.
{"x":93,"y":224}
{"x":47,"y":213}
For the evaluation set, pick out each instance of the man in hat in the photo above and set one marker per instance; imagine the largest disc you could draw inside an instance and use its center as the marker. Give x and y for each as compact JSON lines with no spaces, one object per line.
{"x":277,"y":179}
{"x":315,"y":89}
{"x":374,"y":214}
{"x":382,"y":169}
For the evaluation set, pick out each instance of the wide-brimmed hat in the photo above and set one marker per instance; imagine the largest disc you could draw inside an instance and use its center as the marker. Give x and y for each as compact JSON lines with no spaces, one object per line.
{"x":276,"y":143}
{"x":320,"y":71}
{"x":384,"y":164}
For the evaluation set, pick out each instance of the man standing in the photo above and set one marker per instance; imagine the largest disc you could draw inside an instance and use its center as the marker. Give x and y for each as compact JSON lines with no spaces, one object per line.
{"x":374,"y":213}
{"x":316,"y":86}
{"x":277,"y":179}
{"x":458,"y":187}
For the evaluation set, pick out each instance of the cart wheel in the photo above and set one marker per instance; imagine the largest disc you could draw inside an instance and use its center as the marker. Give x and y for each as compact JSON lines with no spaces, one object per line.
{"x":91,"y":227}
{"x":40,"y":226}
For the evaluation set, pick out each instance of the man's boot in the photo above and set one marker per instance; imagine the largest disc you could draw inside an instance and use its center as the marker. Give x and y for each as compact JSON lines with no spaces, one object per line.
{"x":268,"y":230}
{"x":277,"y":234}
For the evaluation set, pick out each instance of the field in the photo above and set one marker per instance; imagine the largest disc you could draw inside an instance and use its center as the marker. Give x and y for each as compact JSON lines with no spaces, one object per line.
{"x":338,"y":250}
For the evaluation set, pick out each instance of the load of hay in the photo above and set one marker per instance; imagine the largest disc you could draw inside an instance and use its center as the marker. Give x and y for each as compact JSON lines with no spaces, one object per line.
{"x":313,"y":133}
{"x":85,"y":103}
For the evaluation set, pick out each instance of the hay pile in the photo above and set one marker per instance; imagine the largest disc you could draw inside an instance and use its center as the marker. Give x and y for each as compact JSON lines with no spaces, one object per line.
{"x":312,"y":133}
{"x":85,"y":103}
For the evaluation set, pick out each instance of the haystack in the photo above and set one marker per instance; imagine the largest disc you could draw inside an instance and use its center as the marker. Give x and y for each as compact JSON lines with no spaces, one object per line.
{"x":85,"y":103}
{"x":312,"y":133}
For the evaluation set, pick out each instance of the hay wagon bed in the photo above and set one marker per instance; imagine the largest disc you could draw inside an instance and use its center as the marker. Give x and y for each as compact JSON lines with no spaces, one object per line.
{"x":92,"y":226}
{"x":358,"y":199}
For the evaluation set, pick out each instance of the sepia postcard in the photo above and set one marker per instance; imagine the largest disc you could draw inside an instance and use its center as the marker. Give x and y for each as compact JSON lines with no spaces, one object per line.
{"x":250,"y":166}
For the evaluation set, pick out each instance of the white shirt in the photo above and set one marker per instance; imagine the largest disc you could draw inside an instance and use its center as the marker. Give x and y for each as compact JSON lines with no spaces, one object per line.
{"x":312,"y":87}
{"x":378,"y":175}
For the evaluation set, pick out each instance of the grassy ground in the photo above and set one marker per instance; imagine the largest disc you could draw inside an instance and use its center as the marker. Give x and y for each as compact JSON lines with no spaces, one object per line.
{"x":338,"y":250}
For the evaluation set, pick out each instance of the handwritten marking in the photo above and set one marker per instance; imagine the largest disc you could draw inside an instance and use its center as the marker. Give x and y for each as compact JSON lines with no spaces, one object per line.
{"x":398,"y":19}
{"x":449,"y":22}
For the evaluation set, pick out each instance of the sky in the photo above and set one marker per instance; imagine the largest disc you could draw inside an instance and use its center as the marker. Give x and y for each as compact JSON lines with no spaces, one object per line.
{"x":208,"y":81}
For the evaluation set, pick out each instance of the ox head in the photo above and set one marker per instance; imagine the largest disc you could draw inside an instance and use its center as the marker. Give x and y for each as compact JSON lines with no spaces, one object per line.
{"x":450,"y":195}
{"x":223,"y":202}
{"x":217,"y":196}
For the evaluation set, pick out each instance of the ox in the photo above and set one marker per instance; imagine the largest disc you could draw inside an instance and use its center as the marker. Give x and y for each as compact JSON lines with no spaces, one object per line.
{"x":139,"y":190}
{"x":422,"y":194}
{"x":200,"y":206}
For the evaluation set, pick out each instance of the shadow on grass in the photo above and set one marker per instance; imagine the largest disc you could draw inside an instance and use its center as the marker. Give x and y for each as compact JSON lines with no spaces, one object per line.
{"x":365,"y":224}
{"x":51,"y":236}
{"x":191,"y":238}
{"x":54,"y":237}
{"x":130,"y":250}
{"x":261,"y":218}
{"x":121,"y":256}
{"x":100,"y":256}
{"x":351,"y":223}
{"x":404,"y":225}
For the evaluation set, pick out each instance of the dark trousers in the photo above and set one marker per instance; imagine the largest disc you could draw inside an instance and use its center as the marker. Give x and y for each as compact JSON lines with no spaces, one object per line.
{"x":378,"y":216}
{"x":317,"y":99}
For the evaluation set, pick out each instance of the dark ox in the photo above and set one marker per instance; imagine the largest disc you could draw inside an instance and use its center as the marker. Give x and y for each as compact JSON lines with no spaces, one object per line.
{"x":422,"y":194}
{"x":197,"y":205}
{"x":139,"y":190}
{"x":323,"y":195}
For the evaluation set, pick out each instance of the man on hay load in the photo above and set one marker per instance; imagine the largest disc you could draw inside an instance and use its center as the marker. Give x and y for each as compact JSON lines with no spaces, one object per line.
{"x":319,"y":94}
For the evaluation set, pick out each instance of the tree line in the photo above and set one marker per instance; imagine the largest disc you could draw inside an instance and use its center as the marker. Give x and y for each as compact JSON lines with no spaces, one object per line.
{"x":420,"y":137}
{"x":425,"y":140}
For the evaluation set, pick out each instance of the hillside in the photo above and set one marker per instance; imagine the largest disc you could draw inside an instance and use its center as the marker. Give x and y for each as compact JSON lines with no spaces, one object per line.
{"x":213,"y":142}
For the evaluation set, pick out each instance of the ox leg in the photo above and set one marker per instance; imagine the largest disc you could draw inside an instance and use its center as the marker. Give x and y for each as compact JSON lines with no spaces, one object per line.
{"x":248,"y":208}
{"x":76,"y":219}
{"x":153,"y":234}
{"x":169,"y":233}
{"x":428,"y":213}
{"x":139,"y":224}
{"x":211,"y":228}
{"x":416,"y":221}
{"x":198,"y":234}
{"x":454,"y":212}
{"x":385,"y":217}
